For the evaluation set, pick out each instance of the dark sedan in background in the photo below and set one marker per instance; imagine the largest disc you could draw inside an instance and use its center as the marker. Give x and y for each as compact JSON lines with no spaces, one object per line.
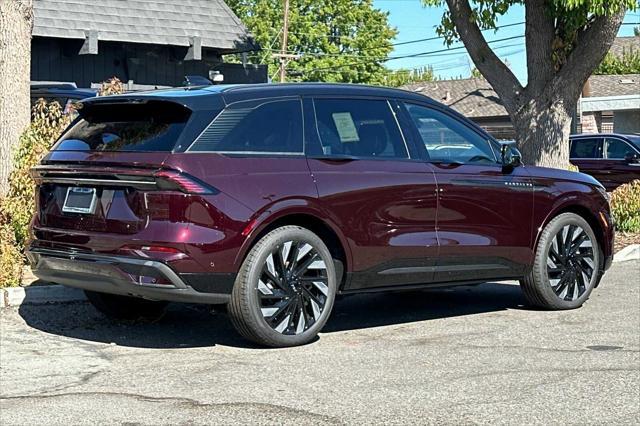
{"x":612,"y":159}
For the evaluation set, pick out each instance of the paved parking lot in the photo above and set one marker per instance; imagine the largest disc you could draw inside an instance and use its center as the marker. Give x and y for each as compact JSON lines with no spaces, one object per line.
{"x":467,"y":355}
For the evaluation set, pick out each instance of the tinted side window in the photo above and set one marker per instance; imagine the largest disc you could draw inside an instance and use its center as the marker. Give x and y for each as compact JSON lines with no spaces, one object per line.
{"x":448,"y":140}
{"x":359,"y":127}
{"x":586,"y":148}
{"x":270,"y":126}
{"x":617,"y":149}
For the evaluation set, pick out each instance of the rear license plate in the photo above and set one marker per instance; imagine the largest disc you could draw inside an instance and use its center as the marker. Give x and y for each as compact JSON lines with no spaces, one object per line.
{"x":80,"y":200}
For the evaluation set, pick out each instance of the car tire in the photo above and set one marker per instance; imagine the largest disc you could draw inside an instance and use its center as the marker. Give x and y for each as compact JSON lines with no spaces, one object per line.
{"x":285,"y":289}
{"x":567,"y":264}
{"x":126,"y":308}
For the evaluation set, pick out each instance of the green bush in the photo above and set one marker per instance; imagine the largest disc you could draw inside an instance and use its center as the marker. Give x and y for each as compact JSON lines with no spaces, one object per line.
{"x":625,"y":206}
{"x":17,"y":208}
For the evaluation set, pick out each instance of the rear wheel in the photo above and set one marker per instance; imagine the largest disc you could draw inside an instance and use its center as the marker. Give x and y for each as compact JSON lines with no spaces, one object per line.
{"x":285,"y":289}
{"x":125,"y":307}
{"x":567,"y":264}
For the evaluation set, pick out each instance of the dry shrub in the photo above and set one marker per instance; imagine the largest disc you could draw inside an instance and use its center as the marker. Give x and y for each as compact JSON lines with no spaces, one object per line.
{"x":11,"y":258}
{"x":113,"y":86}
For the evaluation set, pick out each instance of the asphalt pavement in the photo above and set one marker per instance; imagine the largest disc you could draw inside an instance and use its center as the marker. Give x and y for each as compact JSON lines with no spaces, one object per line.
{"x":459,"y":356}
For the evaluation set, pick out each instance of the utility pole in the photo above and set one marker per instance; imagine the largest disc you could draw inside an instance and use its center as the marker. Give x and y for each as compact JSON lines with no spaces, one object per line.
{"x":285,"y":36}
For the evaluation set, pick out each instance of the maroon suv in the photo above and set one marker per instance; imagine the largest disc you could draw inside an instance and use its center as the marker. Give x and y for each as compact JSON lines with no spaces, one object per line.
{"x":613,"y":159}
{"x":273,"y":199}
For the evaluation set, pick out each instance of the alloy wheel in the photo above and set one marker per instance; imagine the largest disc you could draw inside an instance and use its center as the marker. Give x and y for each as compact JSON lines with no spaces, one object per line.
{"x":570,"y":262}
{"x":293,"y":287}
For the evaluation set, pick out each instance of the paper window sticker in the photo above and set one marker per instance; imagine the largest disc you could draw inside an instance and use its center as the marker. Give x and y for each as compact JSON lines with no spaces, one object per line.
{"x":346,"y":127}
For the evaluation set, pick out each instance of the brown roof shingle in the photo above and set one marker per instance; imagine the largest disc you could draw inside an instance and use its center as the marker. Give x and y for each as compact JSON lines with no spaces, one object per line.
{"x":472,"y":97}
{"x":622,"y":45}
{"x":614,"y":85}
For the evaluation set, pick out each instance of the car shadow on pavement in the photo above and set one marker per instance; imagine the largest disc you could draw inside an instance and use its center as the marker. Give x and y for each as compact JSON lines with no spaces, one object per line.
{"x":189,"y":326}
{"x":381,"y":309}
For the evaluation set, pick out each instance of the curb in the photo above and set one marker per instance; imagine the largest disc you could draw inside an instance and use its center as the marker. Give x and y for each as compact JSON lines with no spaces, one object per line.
{"x":39,"y":295}
{"x":631,"y":252}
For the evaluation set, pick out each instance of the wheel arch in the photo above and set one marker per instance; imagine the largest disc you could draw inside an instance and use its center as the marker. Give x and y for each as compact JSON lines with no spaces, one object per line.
{"x":584,"y":212}
{"x":309,"y":219}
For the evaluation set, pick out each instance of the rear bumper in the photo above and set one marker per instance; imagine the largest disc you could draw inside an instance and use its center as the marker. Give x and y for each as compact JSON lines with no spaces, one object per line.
{"x":124,"y":276}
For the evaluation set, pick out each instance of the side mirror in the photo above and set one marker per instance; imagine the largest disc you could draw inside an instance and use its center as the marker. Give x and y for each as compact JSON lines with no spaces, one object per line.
{"x":511,"y":157}
{"x":632,"y":158}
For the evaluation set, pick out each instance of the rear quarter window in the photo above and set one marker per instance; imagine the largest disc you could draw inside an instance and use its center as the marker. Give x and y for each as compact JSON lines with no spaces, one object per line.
{"x":265,"y":126}
{"x":149,"y":126}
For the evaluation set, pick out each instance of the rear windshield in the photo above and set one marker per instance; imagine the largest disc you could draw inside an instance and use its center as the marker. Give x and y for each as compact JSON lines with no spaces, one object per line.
{"x":150,"y":126}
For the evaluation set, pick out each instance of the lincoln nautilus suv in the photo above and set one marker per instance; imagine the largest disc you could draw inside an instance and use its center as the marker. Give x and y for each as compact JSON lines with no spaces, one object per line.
{"x":273,"y":199}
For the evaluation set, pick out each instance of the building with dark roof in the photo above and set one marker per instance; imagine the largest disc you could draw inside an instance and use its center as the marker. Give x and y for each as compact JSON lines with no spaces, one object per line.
{"x":472,"y":97}
{"x":610,"y":103}
{"x":147,"y":42}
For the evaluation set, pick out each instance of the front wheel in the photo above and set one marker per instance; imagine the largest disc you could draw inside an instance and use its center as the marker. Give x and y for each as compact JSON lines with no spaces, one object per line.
{"x":285,"y":289}
{"x":567,"y":264}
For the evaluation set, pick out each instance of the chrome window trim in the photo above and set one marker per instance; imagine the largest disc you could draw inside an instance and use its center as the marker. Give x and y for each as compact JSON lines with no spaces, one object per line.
{"x":404,"y":140}
{"x":252,"y":153}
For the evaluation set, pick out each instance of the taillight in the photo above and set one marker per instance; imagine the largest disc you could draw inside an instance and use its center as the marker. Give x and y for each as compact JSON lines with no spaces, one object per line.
{"x":171,"y":179}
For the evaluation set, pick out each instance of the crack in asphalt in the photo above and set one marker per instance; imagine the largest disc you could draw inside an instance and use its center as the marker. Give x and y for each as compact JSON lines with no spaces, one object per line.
{"x":81,"y":381}
{"x":192,"y":403}
{"x":542,"y":349}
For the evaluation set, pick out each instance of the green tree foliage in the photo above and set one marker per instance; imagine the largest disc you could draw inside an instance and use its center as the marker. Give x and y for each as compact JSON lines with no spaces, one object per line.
{"x":401,"y":77}
{"x":629,"y":63}
{"x":571,"y":16}
{"x":339,"y":40}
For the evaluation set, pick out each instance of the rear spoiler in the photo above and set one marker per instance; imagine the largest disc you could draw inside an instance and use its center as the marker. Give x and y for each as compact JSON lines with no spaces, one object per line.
{"x":185,"y":97}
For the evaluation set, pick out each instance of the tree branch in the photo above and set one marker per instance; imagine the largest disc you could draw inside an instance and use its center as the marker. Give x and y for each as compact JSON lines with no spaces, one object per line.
{"x":495,"y":71}
{"x":539,"y":33}
{"x":592,"y":45}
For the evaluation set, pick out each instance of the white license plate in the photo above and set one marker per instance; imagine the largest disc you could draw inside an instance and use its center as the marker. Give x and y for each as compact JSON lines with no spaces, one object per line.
{"x":80,"y":200}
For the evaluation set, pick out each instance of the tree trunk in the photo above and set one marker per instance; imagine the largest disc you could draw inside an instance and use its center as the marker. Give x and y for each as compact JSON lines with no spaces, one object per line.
{"x":542,"y":131}
{"x":16,"y":20}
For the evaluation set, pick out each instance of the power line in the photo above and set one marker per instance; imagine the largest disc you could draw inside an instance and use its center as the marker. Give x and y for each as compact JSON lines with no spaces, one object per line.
{"x":372,"y":58}
{"x":413,"y":55}
{"x":421,"y":40}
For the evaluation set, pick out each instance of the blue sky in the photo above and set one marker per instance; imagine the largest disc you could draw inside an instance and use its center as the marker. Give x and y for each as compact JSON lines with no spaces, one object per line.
{"x":413,"y":21}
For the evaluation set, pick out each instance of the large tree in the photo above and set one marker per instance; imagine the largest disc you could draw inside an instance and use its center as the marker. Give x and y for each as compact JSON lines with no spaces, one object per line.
{"x":339,"y":40}
{"x":16,"y":20}
{"x":565,"y":40}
